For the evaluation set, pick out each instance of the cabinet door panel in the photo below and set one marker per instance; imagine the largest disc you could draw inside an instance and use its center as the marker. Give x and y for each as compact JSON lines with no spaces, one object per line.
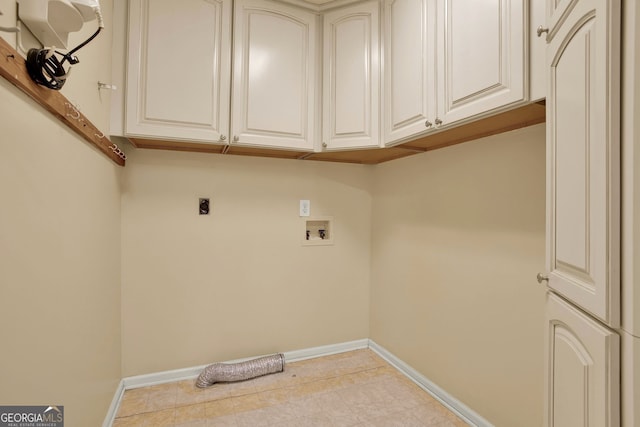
{"x":351,"y":77}
{"x":409,"y":75}
{"x":481,"y":56}
{"x":583,"y":160}
{"x":474,"y":67}
{"x":582,"y":369}
{"x":274,"y":75}
{"x":557,"y":13}
{"x":537,"y":52}
{"x":178,"y":80}
{"x":350,"y":89}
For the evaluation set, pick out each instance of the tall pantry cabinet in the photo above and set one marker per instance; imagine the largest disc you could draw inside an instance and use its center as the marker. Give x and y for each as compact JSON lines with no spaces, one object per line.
{"x":582,"y":365}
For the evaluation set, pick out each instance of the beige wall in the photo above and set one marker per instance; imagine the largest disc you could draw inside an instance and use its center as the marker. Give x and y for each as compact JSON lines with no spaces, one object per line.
{"x":457,"y":238}
{"x":59,"y":252}
{"x":448,"y":244}
{"x":59,"y":266}
{"x":238,"y":283}
{"x":453,"y":247}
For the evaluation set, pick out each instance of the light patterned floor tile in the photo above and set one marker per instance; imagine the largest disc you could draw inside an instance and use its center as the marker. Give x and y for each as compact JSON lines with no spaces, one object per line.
{"x":224,"y":421}
{"x":130,"y":421}
{"x":184,"y":414}
{"x":164,"y":418}
{"x":132,"y":405}
{"x":398,"y":419}
{"x":352,"y":389}
{"x":198,"y":423}
{"x":219,"y":408}
{"x":161,"y":397}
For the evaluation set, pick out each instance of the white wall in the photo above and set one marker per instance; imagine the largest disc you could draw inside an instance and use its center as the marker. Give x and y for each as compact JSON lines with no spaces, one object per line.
{"x":238,"y":283}
{"x":458,"y":238}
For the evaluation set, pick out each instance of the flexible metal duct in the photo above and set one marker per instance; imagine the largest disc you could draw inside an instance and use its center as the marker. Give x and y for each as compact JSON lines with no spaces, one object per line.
{"x":228,"y":372}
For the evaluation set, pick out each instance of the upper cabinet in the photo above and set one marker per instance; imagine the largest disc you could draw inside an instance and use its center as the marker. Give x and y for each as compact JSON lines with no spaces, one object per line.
{"x":274,"y":75}
{"x":451,"y":61}
{"x":178,"y":72}
{"x":410,"y":68}
{"x":482,"y":56}
{"x":351,"y":77}
{"x":537,"y":51}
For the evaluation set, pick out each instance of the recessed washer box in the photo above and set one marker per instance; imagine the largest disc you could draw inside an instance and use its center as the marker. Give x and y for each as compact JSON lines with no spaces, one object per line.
{"x":318,"y":231}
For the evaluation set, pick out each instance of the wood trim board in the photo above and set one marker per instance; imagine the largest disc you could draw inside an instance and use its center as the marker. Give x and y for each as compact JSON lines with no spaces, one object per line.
{"x":13,"y":68}
{"x":519,"y":117}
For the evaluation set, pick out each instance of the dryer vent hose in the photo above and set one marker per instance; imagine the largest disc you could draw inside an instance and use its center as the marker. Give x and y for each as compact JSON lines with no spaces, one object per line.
{"x":228,"y":372}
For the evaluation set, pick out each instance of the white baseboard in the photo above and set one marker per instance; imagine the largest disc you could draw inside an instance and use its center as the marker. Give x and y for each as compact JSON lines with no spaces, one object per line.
{"x":325,"y":350}
{"x":460,"y":409}
{"x":147,"y":380}
{"x":115,"y":404}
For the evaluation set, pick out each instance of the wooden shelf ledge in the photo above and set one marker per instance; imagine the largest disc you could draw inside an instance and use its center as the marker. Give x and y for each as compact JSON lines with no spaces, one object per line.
{"x":13,"y":68}
{"x":520,"y":117}
{"x":527,"y":115}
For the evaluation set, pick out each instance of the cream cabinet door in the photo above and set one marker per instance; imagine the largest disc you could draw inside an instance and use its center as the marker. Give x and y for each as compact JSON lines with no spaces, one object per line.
{"x":481,"y":56}
{"x":582,"y":370}
{"x":409,"y":105}
{"x":537,"y":52}
{"x":583,"y":158}
{"x":557,"y":12}
{"x":179,"y":69}
{"x":274,"y":75}
{"x":351,"y":77}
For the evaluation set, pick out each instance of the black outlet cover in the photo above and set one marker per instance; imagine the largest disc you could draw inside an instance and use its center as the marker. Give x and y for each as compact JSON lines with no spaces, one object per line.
{"x":204,"y":206}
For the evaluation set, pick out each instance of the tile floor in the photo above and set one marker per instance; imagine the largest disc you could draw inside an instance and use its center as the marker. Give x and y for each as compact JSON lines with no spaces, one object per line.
{"x":356,"y":388}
